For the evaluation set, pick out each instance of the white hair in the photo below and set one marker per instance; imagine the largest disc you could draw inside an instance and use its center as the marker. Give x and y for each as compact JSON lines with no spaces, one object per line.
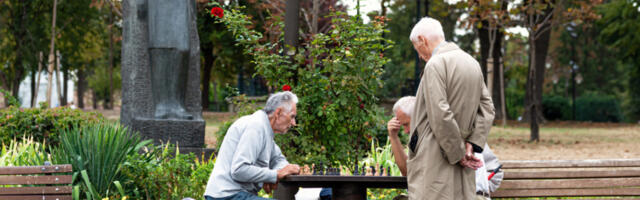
{"x":405,"y":104}
{"x":284,"y":99}
{"x":429,"y":28}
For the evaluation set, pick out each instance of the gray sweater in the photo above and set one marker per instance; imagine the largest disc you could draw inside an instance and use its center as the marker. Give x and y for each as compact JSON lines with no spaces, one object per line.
{"x":247,"y":158}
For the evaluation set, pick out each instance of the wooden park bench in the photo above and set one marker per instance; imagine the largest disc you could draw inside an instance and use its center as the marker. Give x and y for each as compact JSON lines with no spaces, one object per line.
{"x":36,"y":182}
{"x":570,"y":178}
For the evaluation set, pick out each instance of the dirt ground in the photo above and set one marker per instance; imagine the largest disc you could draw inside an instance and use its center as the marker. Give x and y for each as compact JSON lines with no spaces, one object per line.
{"x":558,"y":140}
{"x":567,"y":141}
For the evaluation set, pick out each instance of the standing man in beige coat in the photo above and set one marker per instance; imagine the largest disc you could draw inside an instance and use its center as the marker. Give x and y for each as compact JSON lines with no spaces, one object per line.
{"x":451,"y":118}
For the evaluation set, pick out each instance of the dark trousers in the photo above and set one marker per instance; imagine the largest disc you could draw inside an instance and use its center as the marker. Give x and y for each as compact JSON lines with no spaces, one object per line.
{"x":238,"y":196}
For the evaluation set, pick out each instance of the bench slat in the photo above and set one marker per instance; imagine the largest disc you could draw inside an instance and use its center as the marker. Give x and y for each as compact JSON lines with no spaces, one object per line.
{"x":36,"y":197}
{"x":520,"y":164}
{"x":571,"y":183}
{"x":36,"y":190}
{"x":34,"y":180}
{"x":571,"y":174}
{"x":567,"y":192}
{"x":35,"y":169}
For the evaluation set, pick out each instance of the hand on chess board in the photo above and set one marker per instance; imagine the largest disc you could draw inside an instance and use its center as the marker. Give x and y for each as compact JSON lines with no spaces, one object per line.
{"x":269,"y":187}
{"x":288,"y":170}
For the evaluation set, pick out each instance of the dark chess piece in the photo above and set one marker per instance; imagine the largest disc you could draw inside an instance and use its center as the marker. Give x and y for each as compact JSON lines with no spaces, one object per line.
{"x":364,"y":171}
{"x":381,"y":170}
{"x":356,"y":172}
{"x":388,"y":171}
{"x":315,"y":172}
{"x":373,"y":171}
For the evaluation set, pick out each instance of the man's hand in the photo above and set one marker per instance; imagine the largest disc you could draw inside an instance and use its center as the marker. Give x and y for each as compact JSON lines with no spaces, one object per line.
{"x":288,"y":170}
{"x":269,"y":187}
{"x":469,"y":160}
{"x":393,"y":126}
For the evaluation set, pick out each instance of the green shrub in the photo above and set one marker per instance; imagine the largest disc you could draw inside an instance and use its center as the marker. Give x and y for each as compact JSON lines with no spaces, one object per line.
{"x":159,"y":174}
{"x":598,"y":108}
{"x":97,"y":153}
{"x":335,"y":76}
{"x":41,"y":123}
{"x":556,"y":108}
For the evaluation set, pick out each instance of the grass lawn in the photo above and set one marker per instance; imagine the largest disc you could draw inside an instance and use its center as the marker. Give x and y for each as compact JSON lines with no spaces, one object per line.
{"x":558,"y":140}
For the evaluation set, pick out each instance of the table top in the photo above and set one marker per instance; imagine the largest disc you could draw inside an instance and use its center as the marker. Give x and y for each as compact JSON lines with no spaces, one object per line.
{"x":334,"y":180}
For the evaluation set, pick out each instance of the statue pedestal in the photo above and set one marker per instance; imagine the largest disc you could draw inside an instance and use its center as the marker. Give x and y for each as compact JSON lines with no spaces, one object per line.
{"x":184,"y":133}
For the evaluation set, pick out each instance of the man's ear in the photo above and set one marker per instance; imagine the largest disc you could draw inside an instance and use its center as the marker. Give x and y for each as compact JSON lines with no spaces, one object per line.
{"x":277,"y":112}
{"x":424,"y":40}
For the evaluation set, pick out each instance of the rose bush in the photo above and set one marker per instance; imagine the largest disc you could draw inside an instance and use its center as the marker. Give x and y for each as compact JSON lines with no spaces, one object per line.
{"x":335,"y":76}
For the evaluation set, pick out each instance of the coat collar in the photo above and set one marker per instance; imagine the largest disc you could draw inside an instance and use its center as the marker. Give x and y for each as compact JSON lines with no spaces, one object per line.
{"x":448,"y":46}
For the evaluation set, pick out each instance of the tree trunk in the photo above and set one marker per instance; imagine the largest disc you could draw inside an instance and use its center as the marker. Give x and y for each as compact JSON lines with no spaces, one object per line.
{"x":34,"y":74}
{"x":40,"y":60}
{"x":51,"y":56}
{"x":215,"y":96}
{"x":497,"y":75}
{"x":532,"y":106}
{"x":314,"y":16}
{"x":95,"y":99}
{"x":209,"y":59}
{"x":65,"y":86}
{"x":81,"y":87}
{"x":58,"y":85}
{"x":503,"y":104}
{"x":109,"y":100}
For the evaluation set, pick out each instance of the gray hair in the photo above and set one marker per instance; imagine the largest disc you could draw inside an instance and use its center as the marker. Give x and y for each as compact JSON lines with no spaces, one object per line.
{"x":284,"y":99}
{"x":429,"y":28}
{"x":405,"y":104}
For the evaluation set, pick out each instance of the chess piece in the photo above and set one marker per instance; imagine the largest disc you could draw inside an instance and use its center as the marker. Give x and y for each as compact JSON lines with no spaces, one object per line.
{"x":369,"y":172}
{"x":384,"y":172}
{"x":364,"y":169}
{"x":373,"y":171}
{"x":313,"y":168}
{"x":355,"y":171}
{"x":381,"y":170}
{"x":388,"y":171}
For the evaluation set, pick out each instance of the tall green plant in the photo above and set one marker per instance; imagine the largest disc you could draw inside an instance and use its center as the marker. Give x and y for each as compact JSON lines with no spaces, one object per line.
{"x":24,"y":152}
{"x":335,"y":76}
{"x":97,"y":153}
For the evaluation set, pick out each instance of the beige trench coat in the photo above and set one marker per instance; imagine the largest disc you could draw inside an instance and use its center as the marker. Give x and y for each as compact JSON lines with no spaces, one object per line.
{"x":452,"y":107}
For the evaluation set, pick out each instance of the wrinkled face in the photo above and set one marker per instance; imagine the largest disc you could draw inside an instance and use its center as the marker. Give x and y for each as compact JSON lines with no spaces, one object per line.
{"x":422,"y":47}
{"x":284,"y":120}
{"x":405,"y":120}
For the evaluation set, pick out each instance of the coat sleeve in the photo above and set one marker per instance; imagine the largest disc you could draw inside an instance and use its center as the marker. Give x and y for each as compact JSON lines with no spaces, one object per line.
{"x":243,"y":164}
{"x":492,"y":162}
{"x":441,"y":117}
{"x":278,"y":161}
{"x":484,"y":119}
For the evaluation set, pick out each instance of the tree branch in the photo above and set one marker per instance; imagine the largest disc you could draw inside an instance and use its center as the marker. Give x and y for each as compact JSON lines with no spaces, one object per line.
{"x":113,"y":8}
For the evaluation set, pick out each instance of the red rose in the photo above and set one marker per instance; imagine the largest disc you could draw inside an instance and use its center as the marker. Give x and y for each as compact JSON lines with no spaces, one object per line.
{"x":286,"y":88}
{"x":362,"y":106}
{"x":217,"y":11}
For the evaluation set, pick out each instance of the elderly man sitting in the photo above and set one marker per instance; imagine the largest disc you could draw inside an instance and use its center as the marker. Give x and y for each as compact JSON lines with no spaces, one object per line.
{"x":249,"y":159}
{"x":402,"y":110}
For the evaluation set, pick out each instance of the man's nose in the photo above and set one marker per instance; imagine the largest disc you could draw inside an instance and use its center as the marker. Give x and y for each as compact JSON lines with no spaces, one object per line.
{"x":406,"y":130}
{"x":293,"y":122}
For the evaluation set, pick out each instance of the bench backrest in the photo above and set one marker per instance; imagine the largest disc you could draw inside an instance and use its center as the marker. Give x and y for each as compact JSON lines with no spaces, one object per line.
{"x":36,"y":182}
{"x":570,"y":178}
